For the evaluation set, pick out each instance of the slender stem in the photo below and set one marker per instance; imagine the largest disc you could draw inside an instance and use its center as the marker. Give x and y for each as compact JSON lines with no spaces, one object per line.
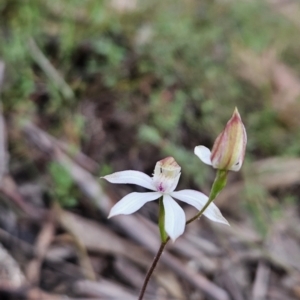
{"x":151,"y":269}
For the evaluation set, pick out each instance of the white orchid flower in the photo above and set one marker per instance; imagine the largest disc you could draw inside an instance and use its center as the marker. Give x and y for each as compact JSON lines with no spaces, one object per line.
{"x":163,"y":183}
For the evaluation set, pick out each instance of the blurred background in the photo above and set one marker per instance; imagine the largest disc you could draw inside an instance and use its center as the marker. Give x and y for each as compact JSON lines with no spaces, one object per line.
{"x":92,"y":87}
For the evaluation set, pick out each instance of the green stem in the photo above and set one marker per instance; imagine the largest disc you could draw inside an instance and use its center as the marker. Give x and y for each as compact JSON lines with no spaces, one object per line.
{"x":161,"y":221}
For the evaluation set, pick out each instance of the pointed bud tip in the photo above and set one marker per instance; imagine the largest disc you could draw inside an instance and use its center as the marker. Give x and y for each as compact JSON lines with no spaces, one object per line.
{"x":236,"y":114}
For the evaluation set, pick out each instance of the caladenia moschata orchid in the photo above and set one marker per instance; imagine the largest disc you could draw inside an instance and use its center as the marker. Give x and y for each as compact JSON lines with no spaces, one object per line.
{"x":163,"y":183}
{"x":227,"y":154}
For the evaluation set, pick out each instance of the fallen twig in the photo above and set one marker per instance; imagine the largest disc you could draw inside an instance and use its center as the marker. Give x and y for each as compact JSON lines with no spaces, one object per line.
{"x":11,"y":275}
{"x":261,"y":282}
{"x":43,"y":241}
{"x":3,"y":142}
{"x":49,"y":70}
{"x":84,"y":260}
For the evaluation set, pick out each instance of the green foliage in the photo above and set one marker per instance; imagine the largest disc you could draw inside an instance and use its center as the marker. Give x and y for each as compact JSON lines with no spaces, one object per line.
{"x":62,"y":188}
{"x":253,"y":24}
{"x":256,"y":203}
{"x":270,"y":135}
{"x":193,"y":56}
{"x":171,"y":112}
{"x":109,"y":57}
{"x":105,"y":169}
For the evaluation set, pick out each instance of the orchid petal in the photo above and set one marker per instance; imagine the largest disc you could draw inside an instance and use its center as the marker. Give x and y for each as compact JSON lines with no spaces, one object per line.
{"x":204,"y":154}
{"x":174,"y":218}
{"x":214,"y":214}
{"x":198,"y":200}
{"x":132,"y":202}
{"x":191,"y":197}
{"x":131,"y":177}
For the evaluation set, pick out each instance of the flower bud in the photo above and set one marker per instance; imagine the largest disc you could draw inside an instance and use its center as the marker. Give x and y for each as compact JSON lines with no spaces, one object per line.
{"x":229,"y":148}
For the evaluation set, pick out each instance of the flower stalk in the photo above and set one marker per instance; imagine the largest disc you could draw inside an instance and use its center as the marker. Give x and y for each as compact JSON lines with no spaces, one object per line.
{"x":151,"y":269}
{"x":161,"y":221}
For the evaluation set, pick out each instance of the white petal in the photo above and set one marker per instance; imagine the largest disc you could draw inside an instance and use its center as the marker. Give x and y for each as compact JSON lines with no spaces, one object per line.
{"x":191,"y":197}
{"x":132,"y":202}
{"x":174,"y":218}
{"x":131,"y":177}
{"x":204,"y":154}
{"x":214,"y":214}
{"x":198,"y":200}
